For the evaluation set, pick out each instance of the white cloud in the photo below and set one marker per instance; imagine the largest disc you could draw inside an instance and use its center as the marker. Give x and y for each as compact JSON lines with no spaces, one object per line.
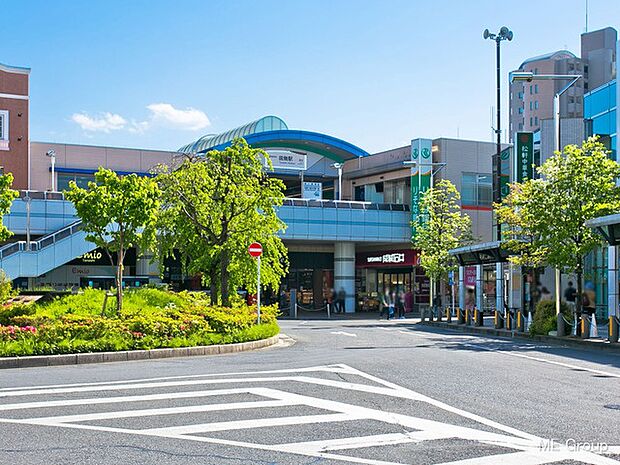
{"x":105,"y":123}
{"x":162,"y":114}
{"x":189,"y":118}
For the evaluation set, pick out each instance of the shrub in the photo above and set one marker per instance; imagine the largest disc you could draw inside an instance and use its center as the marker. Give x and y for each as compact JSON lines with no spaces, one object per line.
{"x":6,"y":288}
{"x":151,"y":318}
{"x":545,"y":317}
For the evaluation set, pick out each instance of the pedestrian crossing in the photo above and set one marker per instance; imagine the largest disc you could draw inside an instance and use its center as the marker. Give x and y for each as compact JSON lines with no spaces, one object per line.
{"x":246,"y":409}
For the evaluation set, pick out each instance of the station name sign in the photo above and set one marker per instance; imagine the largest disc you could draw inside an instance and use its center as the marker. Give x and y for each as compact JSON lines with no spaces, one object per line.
{"x":285,"y":160}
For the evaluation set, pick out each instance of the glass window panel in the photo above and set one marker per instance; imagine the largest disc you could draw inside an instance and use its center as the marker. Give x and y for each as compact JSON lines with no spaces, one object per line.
{"x":63,"y":181}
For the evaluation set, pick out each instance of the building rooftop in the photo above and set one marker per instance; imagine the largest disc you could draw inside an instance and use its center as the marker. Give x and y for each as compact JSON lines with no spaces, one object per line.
{"x":557,"y":55}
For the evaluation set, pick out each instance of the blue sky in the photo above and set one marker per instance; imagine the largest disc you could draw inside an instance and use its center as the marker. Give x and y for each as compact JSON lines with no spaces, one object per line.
{"x":161,"y":73}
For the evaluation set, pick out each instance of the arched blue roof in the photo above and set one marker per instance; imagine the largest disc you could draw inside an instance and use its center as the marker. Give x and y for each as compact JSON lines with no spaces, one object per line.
{"x":266,"y":123}
{"x":272,"y":132}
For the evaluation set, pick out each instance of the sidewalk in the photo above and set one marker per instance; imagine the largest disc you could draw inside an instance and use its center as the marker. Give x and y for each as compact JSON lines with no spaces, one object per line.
{"x":488,"y":330}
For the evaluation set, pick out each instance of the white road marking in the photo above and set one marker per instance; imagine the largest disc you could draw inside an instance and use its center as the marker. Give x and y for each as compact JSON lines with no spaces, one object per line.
{"x":344,"y":333}
{"x":526,"y":446}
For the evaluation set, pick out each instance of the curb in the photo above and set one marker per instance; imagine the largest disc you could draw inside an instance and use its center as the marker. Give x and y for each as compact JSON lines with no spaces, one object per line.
{"x":130,"y":355}
{"x":565,"y":341}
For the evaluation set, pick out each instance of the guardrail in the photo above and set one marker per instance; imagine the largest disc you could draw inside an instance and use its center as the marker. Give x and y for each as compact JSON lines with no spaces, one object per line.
{"x":42,"y":243}
{"x":355,"y":205}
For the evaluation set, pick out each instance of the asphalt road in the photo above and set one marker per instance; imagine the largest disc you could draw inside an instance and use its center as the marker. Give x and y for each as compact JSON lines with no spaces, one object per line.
{"x":366,"y":392}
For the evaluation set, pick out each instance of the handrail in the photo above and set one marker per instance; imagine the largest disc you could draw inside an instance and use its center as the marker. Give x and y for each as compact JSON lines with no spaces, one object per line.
{"x":41,"y":243}
{"x":352,"y":204}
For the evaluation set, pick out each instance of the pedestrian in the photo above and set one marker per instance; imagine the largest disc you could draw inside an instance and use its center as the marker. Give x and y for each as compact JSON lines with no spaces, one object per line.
{"x":545,"y":294}
{"x":385,"y":303}
{"x":570,"y":295}
{"x":589,"y":300}
{"x":400,"y":305}
{"x":342,"y":296}
{"x":392,"y":305}
{"x":331,"y":300}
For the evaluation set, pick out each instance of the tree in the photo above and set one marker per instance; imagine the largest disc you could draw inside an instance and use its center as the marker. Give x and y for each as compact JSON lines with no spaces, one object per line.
{"x":440,"y":227}
{"x":576,"y":186}
{"x":7,"y":195}
{"x":215,"y":207}
{"x":117,"y":213}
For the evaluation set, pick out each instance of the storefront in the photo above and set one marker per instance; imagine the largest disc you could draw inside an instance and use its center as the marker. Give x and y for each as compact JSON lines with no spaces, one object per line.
{"x":393,"y":270}
{"x":311,"y":274}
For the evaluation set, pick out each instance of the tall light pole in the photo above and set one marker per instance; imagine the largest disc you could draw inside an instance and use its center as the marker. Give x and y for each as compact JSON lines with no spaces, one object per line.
{"x":503,"y":34}
{"x":573,"y":78}
{"x":339,"y":166}
{"x":52,"y":155}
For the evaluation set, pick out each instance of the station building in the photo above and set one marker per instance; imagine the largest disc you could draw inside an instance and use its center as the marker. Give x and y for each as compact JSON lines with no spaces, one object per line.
{"x":348,"y":212}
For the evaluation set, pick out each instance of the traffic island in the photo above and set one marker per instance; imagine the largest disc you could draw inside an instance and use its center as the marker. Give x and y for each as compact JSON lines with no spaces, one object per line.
{"x":130,"y":355}
{"x":596,"y":344}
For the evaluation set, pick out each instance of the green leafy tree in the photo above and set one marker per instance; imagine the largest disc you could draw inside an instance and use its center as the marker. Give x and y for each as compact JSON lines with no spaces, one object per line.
{"x":440,"y":227}
{"x":117,"y":213}
{"x":576,"y":186}
{"x":214,"y":208}
{"x":7,"y":195}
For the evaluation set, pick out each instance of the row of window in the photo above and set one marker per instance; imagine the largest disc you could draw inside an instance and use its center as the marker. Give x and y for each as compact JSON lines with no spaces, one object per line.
{"x":477,"y":189}
{"x":80,"y":180}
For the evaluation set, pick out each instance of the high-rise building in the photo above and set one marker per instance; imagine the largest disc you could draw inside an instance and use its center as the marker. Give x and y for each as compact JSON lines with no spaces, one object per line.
{"x":532,"y":102}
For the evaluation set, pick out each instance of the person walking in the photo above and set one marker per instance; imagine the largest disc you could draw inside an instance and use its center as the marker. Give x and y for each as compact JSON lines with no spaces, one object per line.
{"x":570,"y":295}
{"x":392,"y":305}
{"x":385,"y":304}
{"x":400,"y":305}
{"x":342,"y":297}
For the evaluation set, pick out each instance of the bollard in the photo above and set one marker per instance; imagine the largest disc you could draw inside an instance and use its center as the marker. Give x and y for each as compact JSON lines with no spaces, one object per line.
{"x":520,"y":322}
{"x":613,"y":329}
{"x":499,"y":323}
{"x":509,"y":321}
{"x":460,"y":318}
{"x":449,"y":314}
{"x":561,"y":327}
{"x":585,"y":326}
{"x":478,"y":317}
{"x":468,"y":316}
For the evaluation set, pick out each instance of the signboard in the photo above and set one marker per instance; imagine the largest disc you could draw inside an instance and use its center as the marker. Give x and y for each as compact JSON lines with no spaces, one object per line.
{"x":504,"y":172}
{"x":312,"y":190}
{"x":285,"y":160}
{"x":388,"y":258}
{"x":255,"y":249}
{"x":470,"y":276}
{"x":524,"y":159}
{"x":421,"y":150}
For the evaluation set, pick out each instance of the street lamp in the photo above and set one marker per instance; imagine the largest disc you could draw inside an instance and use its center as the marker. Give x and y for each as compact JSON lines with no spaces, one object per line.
{"x":573,"y":78}
{"x":52,"y":155}
{"x":339,"y":166}
{"x":503,"y":34}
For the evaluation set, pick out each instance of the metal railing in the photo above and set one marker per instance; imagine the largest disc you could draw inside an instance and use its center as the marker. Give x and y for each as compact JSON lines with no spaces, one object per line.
{"x":350,"y":204}
{"x":41,"y":195}
{"x":41,"y":243}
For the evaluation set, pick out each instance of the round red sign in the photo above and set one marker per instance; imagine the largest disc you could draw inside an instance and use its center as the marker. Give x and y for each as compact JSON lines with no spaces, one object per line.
{"x":255,"y":249}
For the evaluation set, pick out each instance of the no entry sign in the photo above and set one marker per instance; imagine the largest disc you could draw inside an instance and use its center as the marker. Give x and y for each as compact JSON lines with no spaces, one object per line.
{"x":255,"y":249}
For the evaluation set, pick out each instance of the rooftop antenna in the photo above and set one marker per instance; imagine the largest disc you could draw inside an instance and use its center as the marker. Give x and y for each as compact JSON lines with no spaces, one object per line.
{"x":586,"y":16}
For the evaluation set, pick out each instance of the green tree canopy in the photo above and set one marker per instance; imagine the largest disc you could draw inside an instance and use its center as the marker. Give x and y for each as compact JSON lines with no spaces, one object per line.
{"x":117,"y":212}
{"x":551,"y":213}
{"x":7,"y":195}
{"x":440,"y":227}
{"x":214,"y":208}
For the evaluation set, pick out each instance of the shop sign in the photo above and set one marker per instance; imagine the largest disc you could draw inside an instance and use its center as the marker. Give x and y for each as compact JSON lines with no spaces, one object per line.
{"x":312,"y":190}
{"x":524,"y":160}
{"x":504,"y":172}
{"x":421,"y":150}
{"x":387,"y":258}
{"x":288,"y":160}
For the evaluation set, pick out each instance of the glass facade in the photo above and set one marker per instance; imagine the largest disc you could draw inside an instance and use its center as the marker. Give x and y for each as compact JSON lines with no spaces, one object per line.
{"x":477,"y":190}
{"x":600,"y":108}
{"x":81,"y":180}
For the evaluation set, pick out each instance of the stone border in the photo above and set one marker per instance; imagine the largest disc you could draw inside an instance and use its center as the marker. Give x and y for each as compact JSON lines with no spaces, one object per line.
{"x":129,"y":355}
{"x":565,"y":341}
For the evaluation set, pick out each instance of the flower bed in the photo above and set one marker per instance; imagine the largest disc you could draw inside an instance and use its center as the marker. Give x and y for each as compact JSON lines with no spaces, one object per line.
{"x":151,"y":318}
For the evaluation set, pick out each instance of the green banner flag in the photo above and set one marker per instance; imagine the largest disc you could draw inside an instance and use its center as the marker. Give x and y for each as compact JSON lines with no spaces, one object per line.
{"x":421,"y":151}
{"x":524,"y":159}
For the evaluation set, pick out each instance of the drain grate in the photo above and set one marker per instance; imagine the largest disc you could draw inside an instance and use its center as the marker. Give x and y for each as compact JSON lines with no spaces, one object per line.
{"x":612,"y":406}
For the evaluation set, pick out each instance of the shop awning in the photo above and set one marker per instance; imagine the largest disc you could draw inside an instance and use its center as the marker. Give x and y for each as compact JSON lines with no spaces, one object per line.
{"x":608,"y":227}
{"x":481,"y":254}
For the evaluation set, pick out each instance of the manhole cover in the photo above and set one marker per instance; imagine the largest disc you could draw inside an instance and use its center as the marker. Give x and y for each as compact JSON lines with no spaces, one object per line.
{"x":612,"y":406}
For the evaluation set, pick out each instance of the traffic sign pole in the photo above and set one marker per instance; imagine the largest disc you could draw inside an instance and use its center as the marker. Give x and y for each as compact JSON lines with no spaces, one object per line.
{"x":258,"y":292}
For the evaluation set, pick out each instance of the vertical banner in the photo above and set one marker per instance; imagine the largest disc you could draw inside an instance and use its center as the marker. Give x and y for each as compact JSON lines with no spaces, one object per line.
{"x":421,"y":151}
{"x":504,"y":171}
{"x":524,"y":159}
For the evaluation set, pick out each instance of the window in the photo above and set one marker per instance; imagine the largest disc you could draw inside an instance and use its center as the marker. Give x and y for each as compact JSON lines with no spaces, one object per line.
{"x":531,"y":121}
{"x":521,"y":95}
{"x":4,"y":130}
{"x":520,"y":126}
{"x":535,"y":88}
{"x":520,"y":110}
{"x":535,"y":120}
{"x":81,"y":181}
{"x":536,"y":104}
{"x":477,"y":189}
{"x":531,"y":105}
{"x":531,"y":87}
